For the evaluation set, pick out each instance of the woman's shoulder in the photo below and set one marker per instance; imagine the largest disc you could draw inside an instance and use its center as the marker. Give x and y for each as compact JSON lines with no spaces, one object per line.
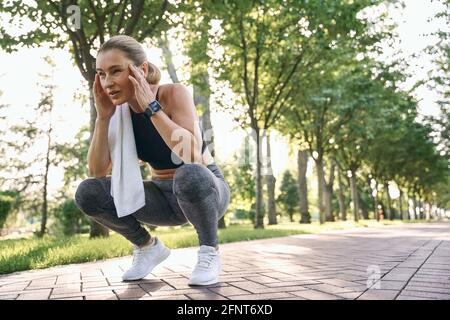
{"x":169,"y":90}
{"x":172,"y":93}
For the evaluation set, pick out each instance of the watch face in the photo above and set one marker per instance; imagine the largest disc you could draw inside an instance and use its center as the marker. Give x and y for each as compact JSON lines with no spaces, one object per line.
{"x":155,"y":106}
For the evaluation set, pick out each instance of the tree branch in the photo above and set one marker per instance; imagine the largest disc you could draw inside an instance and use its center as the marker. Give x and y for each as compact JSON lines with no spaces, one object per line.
{"x":152,"y":27}
{"x":98,"y":22}
{"x":244,"y":47}
{"x":136,"y":11}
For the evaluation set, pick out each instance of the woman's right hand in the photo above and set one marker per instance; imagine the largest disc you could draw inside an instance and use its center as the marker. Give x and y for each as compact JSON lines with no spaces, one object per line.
{"x":103,"y":104}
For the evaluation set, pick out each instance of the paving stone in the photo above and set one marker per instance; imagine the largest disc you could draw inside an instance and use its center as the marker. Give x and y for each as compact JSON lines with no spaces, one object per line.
{"x":11,"y":296}
{"x":130,"y":293}
{"x":315,"y":295}
{"x":424,"y":294}
{"x":205,"y":296}
{"x":263,"y":296}
{"x":428,"y":289}
{"x":328,"y":288}
{"x":180,"y":291}
{"x":404,"y":297}
{"x":349,"y":295}
{"x":379,"y":294}
{"x":229,"y":291}
{"x":35,"y":295}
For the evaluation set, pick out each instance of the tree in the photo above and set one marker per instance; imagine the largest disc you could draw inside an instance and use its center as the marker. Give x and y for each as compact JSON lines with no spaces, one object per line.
{"x":29,"y":173}
{"x":70,"y":220}
{"x":371,"y":88}
{"x":83,"y":27}
{"x":439,"y":80}
{"x":317,"y":110}
{"x":266,"y":44}
{"x":240,"y":176}
{"x":288,"y":197}
{"x":254,"y":68}
{"x":7,"y":199}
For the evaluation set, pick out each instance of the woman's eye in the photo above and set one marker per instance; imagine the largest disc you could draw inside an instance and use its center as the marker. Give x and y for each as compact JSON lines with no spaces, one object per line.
{"x":116,"y":71}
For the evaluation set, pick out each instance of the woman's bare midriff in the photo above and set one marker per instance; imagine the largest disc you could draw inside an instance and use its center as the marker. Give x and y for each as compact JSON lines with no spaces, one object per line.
{"x":166,"y":174}
{"x":163,"y":174}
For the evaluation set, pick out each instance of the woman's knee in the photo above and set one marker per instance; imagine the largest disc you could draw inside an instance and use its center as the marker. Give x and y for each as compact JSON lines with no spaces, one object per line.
{"x":193,"y":182}
{"x":88,"y":196}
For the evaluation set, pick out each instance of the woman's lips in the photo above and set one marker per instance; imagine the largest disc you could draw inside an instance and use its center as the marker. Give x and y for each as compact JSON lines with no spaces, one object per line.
{"x":114,"y":94}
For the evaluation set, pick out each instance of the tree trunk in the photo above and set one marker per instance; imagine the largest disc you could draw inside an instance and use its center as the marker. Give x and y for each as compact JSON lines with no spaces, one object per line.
{"x":302,"y":164}
{"x":355,"y":198}
{"x":390,"y":213}
{"x":167,"y":55}
{"x":414,"y":200}
{"x":270,"y":183}
{"x":97,"y":230}
{"x":421,"y":209}
{"x":400,"y":205}
{"x":363,"y":208}
{"x":375,"y":202}
{"x":44,"y":200}
{"x":420,"y":203}
{"x":328,"y":194}
{"x":320,"y":186}
{"x":341,"y":197}
{"x":259,"y":216}
{"x":427,"y":211}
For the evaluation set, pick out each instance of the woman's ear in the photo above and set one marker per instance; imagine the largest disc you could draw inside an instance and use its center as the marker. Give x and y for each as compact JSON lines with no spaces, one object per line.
{"x":144,"y":67}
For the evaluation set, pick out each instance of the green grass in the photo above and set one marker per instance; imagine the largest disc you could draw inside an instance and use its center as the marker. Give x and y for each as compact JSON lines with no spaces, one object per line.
{"x":34,"y":253}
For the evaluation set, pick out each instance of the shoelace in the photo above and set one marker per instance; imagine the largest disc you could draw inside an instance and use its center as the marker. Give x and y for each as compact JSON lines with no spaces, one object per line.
{"x":205,"y":260}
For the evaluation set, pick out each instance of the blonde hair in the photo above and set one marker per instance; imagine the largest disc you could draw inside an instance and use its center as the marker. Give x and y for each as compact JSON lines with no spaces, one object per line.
{"x":133,"y":51}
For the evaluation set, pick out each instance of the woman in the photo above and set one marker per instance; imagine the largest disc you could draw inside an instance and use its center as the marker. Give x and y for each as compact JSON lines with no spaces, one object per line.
{"x":184,"y":186}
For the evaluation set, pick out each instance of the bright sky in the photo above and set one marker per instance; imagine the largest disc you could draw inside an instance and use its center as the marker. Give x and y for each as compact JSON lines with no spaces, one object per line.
{"x":19,"y":77}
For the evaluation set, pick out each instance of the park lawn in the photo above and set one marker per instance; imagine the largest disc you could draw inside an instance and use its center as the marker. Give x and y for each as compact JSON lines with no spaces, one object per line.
{"x":34,"y":253}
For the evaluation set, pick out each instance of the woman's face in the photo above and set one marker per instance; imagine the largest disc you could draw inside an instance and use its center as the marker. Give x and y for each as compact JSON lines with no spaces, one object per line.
{"x":112,"y":68}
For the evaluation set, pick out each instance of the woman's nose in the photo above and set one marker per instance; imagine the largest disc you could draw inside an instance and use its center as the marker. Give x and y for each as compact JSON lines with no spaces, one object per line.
{"x":108,"y":81}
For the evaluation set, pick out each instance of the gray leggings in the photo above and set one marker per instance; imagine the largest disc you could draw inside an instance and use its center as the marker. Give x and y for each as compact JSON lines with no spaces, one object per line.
{"x":196,"y":194}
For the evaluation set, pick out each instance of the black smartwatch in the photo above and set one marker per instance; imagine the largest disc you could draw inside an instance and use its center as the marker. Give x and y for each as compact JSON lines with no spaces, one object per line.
{"x":152,"y":108}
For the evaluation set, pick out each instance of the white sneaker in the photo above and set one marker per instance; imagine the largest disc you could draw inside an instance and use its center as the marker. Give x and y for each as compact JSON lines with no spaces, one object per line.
{"x":207,"y":269}
{"x":145,"y":259}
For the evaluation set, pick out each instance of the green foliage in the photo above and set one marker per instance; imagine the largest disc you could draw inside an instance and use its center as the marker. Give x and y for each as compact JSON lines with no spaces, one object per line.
{"x":57,"y":25}
{"x":439,"y":80}
{"x":69,"y":220}
{"x":7,"y":199}
{"x":240,"y":176}
{"x":288,"y":198}
{"x":73,"y":156}
{"x":242,"y":214}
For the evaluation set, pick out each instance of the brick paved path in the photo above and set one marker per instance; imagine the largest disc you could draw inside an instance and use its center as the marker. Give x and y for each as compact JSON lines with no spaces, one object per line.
{"x":411,"y":261}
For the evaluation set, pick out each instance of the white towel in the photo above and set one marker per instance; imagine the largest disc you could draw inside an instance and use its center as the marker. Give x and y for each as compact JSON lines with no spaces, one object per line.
{"x":127,"y":187}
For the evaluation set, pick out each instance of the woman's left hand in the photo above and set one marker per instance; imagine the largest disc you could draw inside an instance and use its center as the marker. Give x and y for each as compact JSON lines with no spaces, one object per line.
{"x":144,"y":95}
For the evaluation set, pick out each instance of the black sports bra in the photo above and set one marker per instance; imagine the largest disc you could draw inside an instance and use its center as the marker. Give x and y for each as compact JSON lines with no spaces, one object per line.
{"x":150,"y":145}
